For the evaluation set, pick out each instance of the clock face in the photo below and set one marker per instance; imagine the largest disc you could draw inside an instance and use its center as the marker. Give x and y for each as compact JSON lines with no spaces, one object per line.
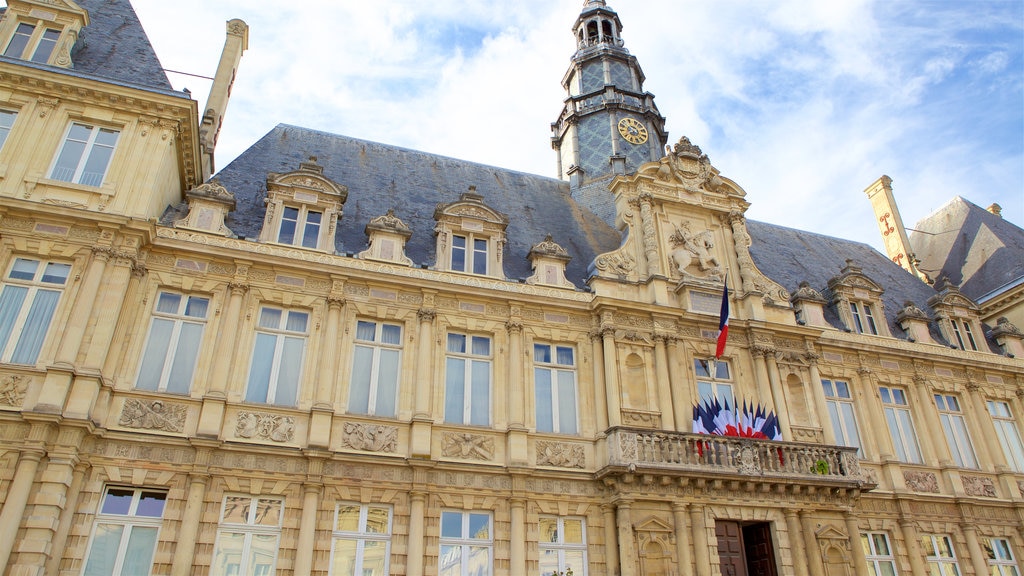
{"x":633,"y":130}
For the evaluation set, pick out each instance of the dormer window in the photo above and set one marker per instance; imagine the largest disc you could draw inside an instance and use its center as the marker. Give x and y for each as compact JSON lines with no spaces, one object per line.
{"x":32,"y":43}
{"x":303,"y":208}
{"x":863,"y":318}
{"x":858,"y":301}
{"x":470,"y":236}
{"x":957,"y":316}
{"x":964,"y":336}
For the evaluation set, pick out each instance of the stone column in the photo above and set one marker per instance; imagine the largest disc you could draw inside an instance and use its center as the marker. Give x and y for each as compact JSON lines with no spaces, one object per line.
{"x":913,"y":546}
{"x":517,"y":552}
{"x":824,"y":420}
{"x":516,"y":393}
{"x":185,"y":543}
{"x":815,"y":564}
{"x":225,"y":341}
{"x":779,"y":396}
{"x":683,"y":556}
{"x":611,"y":540}
{"x":109,"y":302}
{"x":701,"y":549}
{"x":16,"y":500}
{"x":763,"y":390}
{"x":611,"y":377}
{"x":650,"y":240}
{"x":305,"y":546}
{"x":860,"y":561}
{"x":796,"y":543}
{"x":877,"y":433}
{"x":682,"y":398}
{"x":414,"y":557}
{"x":627,"y":549}
{"x":978,"y":559}
{"x":990,"y":455}
{"x":934,"y":451}
{"x":600,"y":388}
{"x":85,"y":302}
{"x":668,"y":418}
{"x":60,"y":537}
{"x":424,"y":363}
{"x":327,"y":370}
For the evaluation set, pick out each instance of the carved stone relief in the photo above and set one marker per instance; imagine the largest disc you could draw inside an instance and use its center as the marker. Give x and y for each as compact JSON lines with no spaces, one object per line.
{"x":370,"y":437}
{"x":692,"y":252}
{"x":153,"y":415}
{"x":265,"y":426}
{"x":641,"y":418}
{"x":12,"y":389}
{"x":979,"y":486}
{"x":468,"y":446}
{"x":921,"y":481}
{"x":560,"y":454}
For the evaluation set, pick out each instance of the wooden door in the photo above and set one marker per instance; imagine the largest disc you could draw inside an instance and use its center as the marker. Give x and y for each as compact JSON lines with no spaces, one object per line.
{"x":730,"y":548}
{"x":757,"y":544}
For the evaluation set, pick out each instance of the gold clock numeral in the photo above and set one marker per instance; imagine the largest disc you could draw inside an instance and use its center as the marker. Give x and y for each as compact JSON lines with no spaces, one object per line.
{"x":633,"y":130}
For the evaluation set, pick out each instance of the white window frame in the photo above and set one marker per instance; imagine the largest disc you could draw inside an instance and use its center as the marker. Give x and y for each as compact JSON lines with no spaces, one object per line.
{"x":901,"y":424}
{"x":877,"y":558}
{"x":842,"y":412}
{"x":19,"y":346}
{"x":1008,"y":433}
{"x":932,"y":543}
{"x":129,"y":521}
{"x":561,"y":548}
{"x":361,"y":536}
{"x":282,"y":336}
{"x":472,"y":255}
{"x":714,"y":380}
{"x":170,"y":357}
{"x":302,"y":226}
{"x":464,"y":544}
{"x":249,"y":529}
{"x":380,"y":353}
{"x":1000,"y":557}
{"x":35,"y":40}
{"x":863,"y":317}
{"x":962,"y":328}
{"x":460,"y":380}
{"x":955,"y":427}
{"x":562,"y":419}
{"x":7,"y":119}
{"x":79,"y":175}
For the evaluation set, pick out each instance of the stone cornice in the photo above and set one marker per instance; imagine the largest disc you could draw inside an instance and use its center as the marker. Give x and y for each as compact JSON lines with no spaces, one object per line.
{"x":933,"y":352}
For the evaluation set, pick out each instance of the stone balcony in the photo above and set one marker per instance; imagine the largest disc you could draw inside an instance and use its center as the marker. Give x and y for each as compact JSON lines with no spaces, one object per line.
{"x":700,"y":457}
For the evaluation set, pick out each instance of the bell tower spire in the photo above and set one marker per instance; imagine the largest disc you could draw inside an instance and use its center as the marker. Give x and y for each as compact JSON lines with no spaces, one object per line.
{"x":608,"y":125}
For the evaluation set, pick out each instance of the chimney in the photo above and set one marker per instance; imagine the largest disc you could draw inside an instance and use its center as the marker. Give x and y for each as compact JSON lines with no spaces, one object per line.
{"x":235,"y":44}
{"x":890,"y":224}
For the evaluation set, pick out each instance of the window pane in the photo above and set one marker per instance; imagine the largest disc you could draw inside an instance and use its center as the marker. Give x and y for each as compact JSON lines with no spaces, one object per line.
{"x":454,"y":390}
{"x":481,"y":346}
{"x":548,"y":529}
{"x":377,"y":520}
{"x":259,"y":373}
{"x":297,"y":321}
{"x":270,"y":318}
{"x":168,"y":303}
{"x":565,"y":356}
{"x":387,"y":383}
{"x":117,"y":501}
{"x":545,"y":416}
{"x":96,"y":165}
{"x":138,"y":558}
{"x":289,"y":372}
{"x":152,"y":365}
{"x":348,"y":518}
{"x":701,"y":368}
{"x":36,"y":326}
{"x":289,"y":219}
{"x":542,"y":353}
{"x":344,"y":561}
{"x":573,"y":531}
{"x":103,"y":554}
{"x":479,"y":562}
{"x":236,"y":509}
{"x":20,"y":40}
{"x":23,"y":269}
{"x":268,"y":511}
{"x":457,"y":343}
{"x":479,"y":526}
{"x":11,"y":300}
{"x":548,"y":562}
{"x":227,"y":561}
{"x":45,"y":46}
{"x":151,"y":504}
{"x":375,"y":558}
{"x":185,"y":357}
{"x":359,"y":385}
{"x":262,"y":554}
{"x":196,"y":307}
{"x":480,"y":411}
{"x":451,"y":525}
{"x":56,"y":273}
{"x":366,"y":331}
{"x":391,"y":334}
{"x":566,"y":402}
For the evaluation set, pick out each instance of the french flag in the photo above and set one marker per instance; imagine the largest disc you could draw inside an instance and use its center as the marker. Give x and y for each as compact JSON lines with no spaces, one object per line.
{"x":723,"y":322}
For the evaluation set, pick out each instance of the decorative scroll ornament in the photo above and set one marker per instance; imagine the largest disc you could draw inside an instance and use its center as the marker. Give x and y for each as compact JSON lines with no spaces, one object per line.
{"x":921,"y":481}
{"x":154,"y":415}
{"x":265,"y":426}
{"x":560,"y":454}
{"x":370,"y":437}
{"x":468,"y":446}
{"x":979,"y":486}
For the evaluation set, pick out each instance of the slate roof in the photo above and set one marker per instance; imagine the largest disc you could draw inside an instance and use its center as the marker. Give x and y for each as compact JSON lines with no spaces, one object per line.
{"x":380,"y":177}
{"x":973,"y":248}
{"x":113,"y":47}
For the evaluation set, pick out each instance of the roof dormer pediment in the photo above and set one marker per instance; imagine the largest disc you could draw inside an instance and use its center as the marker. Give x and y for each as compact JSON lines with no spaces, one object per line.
{"x":309,"y":178}
{"x":470,"y":205}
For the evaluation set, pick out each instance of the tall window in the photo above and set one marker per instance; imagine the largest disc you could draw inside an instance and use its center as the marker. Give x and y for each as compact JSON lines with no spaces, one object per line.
{"x":469,"y":254}
{"x":563,"y":545}
{"x":467,"y":397}
{"x":19,"y":46}
{"x":467,"y":544}
{"x":375,"y":366}
{"x":863,"y":318}
{"x":712,"y":381}
{"x":277,"y":357}
{"x":1009,"y":436}
{"x":247,"y":536}
{"x":124,"y":536}
{"x":27,"y":303}
{"x":881,"y":561}
{"x":300,"y":227}
{"x":6,"y":123}
{"x":840,"y":411}
{"x":554,"y":376}
{"x":963,"y":334}
{"x":1000,"y":557}
{"x":955,"y":427}
{"x":901,"y":425}
{"x":172,"y":348}
{"x":86,"y":155}
{"x":362,"y":540}
{"x":940,"y":555}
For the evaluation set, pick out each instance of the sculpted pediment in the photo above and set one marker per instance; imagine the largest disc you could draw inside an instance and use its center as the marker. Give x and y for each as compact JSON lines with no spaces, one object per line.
{"x":309,"y":178}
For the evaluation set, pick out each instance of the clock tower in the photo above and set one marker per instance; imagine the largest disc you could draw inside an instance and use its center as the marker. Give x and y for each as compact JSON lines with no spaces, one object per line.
{"x":608,"y":125}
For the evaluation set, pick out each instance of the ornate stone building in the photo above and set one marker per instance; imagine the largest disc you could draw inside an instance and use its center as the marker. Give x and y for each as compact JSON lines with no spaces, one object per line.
{"x":335,"y":356}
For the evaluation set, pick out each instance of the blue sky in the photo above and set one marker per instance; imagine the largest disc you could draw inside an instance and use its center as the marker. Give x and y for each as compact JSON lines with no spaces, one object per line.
{"x":803,"y":103}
